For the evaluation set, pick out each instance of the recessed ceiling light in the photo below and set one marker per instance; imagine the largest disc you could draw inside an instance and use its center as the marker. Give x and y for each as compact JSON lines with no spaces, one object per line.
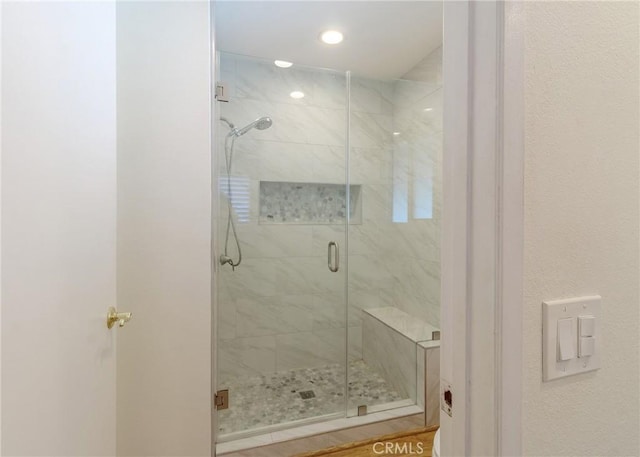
{"x":428,"y":109}
{"x":396,"y":133}
{"x":296,"y":94}
{"x":282,"y":63}
{"x":331,"y":37}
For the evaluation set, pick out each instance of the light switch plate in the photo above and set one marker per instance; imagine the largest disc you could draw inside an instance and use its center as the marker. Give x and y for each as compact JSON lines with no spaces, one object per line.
{"x":552,"y":312}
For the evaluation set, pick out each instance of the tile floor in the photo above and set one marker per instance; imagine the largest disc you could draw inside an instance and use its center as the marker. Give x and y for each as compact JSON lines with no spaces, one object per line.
{"x":260,"y":401}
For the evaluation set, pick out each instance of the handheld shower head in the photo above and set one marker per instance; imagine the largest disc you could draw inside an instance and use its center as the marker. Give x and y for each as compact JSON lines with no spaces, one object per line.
{"x":260,"y":124}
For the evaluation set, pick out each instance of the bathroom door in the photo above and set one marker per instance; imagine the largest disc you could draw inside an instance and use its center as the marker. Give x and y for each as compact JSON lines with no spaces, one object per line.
{"x":58,"y":228}
{"x":280,"y":251}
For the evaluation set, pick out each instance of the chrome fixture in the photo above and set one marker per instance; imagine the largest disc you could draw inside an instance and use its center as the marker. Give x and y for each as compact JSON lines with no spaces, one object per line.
{"x":333,"y":256}
{"x":261,"y":123}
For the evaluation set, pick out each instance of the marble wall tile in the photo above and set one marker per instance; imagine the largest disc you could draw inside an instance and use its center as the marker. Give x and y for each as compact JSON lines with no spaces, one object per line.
{"x":262,"y":80}
{"x":335,"y":342}
{"x":418,"y":238}
{"x":427,"y":310}
{"x":428,"y":69}
{"x":325,"y":126}
{"x":289,"y":120}
{"x":292,"y":122}
{"x":330,"y":89}
{"x":245,"y":158}
{"x":255,"y":278}
{"x":273,"y":315}
{"x":282,"y":161}
{"x":365,"y":270}
{"x":409,"y":94}
{"x":302,"y":275}
{"x":370,"y":130}
{"x":418,"y":116}
{"x":354,"y":338}
{"x":260,"y":241}
{"x":329,"y":164}
{"x":415,"y":125}
{"x":226,"y":318}
{"x":323,"y":234}
{"x":371,"y":96}
{"x":246,"y":356}
{"x":371,"y":237}
{"x":227,"y":72}
{"x":393,"y":355}
{"x":329,"y":311}
{"x":308,"y":350}
{"x":425,"y":153}
{"x":419,"y":277}
{"x":432,"y":386}
{"x":376,"y":202}
{"x":421,"y":376}
{"x":364,"y":298}
{"x":370,"y":165}
{"x":433,"y":118}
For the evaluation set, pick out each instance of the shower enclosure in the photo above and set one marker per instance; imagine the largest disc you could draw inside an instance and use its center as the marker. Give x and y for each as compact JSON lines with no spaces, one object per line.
{"x":327,"y":252}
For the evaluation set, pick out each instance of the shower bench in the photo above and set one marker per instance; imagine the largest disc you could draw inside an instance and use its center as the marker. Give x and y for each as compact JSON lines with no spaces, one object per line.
{"x":405,"y":350}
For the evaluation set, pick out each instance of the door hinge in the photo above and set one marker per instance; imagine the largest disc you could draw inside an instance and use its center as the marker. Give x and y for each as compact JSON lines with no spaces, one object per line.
{"x":222,"y":94}
{"x":221,"y":399}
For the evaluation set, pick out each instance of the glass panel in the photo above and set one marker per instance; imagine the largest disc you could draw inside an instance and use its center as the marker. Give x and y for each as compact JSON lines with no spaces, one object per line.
{"x":394,"y":254}
{"x":282,"y":180}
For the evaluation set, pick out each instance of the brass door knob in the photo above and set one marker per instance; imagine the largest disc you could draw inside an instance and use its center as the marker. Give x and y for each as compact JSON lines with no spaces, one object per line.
{"x":114,"y":316}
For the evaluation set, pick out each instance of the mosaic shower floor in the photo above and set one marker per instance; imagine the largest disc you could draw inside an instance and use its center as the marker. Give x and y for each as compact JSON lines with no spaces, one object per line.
{"x":260,"y":401}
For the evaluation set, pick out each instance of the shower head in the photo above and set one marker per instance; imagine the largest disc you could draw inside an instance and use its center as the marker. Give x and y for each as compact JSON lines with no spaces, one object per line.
{"x":260,"y":124}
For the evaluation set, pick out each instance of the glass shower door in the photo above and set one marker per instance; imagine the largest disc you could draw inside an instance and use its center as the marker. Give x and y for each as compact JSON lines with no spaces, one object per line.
{"x":395,"y":142}
{"x":281,"y":245}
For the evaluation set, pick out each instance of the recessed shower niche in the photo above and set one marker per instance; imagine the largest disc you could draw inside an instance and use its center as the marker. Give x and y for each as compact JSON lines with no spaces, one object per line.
{"x":308,"y":203}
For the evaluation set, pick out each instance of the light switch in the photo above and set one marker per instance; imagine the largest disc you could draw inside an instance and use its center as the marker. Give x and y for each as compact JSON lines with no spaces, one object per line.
{"x":566,"y":339}
{"x":587,"y":346}
{"x":571,"y":336}
{"x":586,"y":325}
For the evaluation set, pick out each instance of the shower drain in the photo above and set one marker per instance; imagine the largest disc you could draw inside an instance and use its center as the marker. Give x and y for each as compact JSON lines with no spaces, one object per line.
{"x":307,"y":394}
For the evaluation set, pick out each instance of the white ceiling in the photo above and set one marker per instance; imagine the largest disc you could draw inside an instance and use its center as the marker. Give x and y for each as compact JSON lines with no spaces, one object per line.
{"x":383,"y":39}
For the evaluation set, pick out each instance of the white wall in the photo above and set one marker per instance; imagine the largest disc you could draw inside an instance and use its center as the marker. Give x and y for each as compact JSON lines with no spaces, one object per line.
{"x":58,"y":228}
{"x":164,"y":229}
{"x":581,"y":218}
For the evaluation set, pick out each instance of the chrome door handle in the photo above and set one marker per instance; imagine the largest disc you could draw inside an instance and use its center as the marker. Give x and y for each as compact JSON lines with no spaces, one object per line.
{"x":333,"y":261}
{"x":114,"y":317}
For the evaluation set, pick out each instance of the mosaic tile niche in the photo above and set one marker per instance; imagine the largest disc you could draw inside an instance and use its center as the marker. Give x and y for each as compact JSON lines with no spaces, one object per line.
{"x":308,"y":203}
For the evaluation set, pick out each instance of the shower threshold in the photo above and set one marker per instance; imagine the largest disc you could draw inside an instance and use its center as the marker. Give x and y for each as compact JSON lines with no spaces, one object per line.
{"x":313,"y":426}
